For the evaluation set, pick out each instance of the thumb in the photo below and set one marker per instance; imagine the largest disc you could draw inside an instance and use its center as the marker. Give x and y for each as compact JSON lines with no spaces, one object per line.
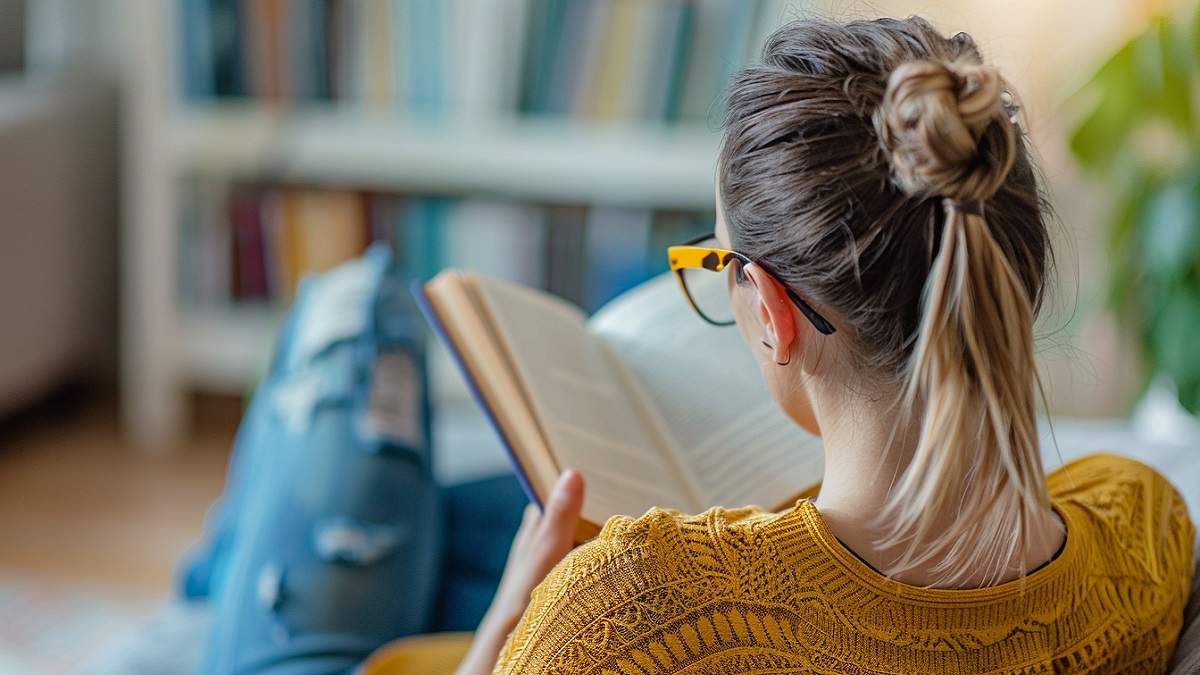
{"x":564,"y":506}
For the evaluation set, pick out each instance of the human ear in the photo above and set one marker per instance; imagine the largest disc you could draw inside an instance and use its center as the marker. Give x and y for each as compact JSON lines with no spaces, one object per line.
{"x":774,"y":313}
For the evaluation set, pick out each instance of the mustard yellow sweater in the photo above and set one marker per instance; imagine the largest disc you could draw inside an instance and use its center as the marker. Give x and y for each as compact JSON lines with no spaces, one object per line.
{"x":744,"y":591}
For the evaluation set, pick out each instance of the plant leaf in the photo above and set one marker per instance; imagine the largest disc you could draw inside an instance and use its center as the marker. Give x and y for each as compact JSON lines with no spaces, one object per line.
{"x":1173,"y":335}
{"x":1176,"y":95}
{"x":1169,"y":233}
{"x":1102,"y":133}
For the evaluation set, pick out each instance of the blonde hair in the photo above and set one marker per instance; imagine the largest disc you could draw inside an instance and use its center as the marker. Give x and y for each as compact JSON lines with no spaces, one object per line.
{"x":877,"y":169}
{"x":975,"y":342}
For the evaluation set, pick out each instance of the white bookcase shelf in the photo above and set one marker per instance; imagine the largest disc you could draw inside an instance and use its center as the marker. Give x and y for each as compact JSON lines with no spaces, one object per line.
{"x":536,"y":160}
{"x":170,"y":348}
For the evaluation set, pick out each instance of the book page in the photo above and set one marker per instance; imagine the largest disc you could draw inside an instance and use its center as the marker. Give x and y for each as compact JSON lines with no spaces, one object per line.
{"x":590,"y":421}
{"x":705,"y":384}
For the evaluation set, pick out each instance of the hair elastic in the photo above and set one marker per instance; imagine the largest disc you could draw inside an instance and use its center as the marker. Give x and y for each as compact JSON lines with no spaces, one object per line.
{"x":974,"y":207}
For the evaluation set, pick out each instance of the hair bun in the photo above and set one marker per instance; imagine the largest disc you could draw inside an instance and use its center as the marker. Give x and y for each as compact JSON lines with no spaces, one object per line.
{"x":945,"y":129}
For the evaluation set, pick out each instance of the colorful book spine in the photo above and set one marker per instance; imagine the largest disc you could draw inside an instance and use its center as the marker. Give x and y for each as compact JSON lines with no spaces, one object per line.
{"x":426,"y":66}
{"x":653,"y":60}
{"x":198,"y":42}
{"x":246,"y":220}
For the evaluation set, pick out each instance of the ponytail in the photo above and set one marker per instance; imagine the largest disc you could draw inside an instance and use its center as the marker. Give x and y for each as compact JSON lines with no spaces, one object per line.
{"x":971,"y":375}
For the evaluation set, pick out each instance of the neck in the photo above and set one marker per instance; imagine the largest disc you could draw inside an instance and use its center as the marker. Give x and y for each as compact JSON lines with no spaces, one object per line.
{"x":866,"y":451}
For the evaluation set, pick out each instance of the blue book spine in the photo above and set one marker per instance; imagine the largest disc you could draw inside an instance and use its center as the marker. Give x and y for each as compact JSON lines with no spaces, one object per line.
{"x":426,"y":67}
{"x":419,"y":230}
{"x":679,"y":61}
{"x":196,"y":39}
{"x":228,"y":33}
{"x":566,"y":61}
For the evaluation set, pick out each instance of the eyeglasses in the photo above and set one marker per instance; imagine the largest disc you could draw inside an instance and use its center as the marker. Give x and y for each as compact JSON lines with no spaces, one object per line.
{"x":708,"y":293}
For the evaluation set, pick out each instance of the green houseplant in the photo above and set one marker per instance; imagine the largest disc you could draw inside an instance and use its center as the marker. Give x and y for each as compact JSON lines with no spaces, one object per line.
{"x":1139,"y":132}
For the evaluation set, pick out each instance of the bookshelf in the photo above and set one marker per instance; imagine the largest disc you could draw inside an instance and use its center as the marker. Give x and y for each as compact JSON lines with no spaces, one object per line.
{"x":171,"y":347}
{"x":548,"y":161}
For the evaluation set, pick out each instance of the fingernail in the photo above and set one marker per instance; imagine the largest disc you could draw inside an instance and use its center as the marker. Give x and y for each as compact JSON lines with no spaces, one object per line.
{"x":566,"y":485}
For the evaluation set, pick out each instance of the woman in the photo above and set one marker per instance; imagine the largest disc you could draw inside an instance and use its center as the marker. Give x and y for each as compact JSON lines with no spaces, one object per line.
{"x":880,"y":221}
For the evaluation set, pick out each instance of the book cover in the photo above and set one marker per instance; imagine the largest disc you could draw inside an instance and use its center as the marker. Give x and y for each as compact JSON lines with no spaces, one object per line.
{"x":564,"y":251}
{"x":717,"y":26}
{"x":483,"y":46}
{"x":228,"y":48}
{"x":198,"y":47}
{"x":309,"y":68}
{"x":545,"y":31}
{"x":419,"y":228}
{"x":213,"y":252}
{"x":280,"y":257}
{"x":345,"y":37}
{"x":593,"y":53}
{"x":501,"y":239}
{"x":567,"y":60}
{"x":617,"y":253}
{"x":684,"y":38}
{"x":266,"y":50}
{"x":399,"y":48}
{"x":379,"y":63}
{"x":647,"y":25}
{"x":616,"y":63}
{"x":426,"y":59}
{"x":245,"y":213}
{"x":328,"y":227}
{"x":670,"y":42}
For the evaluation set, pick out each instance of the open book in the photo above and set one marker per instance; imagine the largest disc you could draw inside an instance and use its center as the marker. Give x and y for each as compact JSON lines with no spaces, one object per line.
{"x":653,"y":405}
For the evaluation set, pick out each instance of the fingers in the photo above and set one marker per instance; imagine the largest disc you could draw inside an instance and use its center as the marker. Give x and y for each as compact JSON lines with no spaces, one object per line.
{"x":565,"y":503}
{"x":543,"y":540}
{"x":556,"y":530}
{"x":530,"y":520}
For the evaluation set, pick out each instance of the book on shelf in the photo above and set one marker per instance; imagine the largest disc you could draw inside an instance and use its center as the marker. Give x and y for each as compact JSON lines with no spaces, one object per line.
{"x":252,"y":242}
{"x":326,"y":227}
{"x":206,"y":270}
{"x":656,"y":60}
{"x":654,"y":406}
{"x":248,"y":242}
{"x":246,"y":221}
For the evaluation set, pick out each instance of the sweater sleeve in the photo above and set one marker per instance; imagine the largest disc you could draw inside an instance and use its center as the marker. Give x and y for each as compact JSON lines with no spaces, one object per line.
{"x":603,"y":601}
{"x":572,"y":614}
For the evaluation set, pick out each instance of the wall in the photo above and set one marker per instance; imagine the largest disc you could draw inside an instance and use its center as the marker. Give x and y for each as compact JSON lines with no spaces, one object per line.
{"x":58,"y":232}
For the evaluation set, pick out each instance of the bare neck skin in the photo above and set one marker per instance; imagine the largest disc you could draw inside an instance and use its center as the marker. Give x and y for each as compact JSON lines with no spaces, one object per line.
{"x":862,"y":461}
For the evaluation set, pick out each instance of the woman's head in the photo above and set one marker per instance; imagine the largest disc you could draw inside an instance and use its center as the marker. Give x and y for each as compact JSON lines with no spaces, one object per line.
{"x":876,"y":169}
{"x":837,"y":190}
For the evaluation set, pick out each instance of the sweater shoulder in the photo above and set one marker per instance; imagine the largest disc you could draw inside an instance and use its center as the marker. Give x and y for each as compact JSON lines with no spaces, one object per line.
{"x":1133,"y":522}
{"x":1123,"y":495}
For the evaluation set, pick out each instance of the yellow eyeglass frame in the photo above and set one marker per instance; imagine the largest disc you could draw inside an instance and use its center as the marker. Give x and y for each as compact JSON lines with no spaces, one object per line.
{"x":691,"y":256}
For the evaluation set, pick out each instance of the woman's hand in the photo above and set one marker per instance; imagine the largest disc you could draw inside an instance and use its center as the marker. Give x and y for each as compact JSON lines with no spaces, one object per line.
{"x":543,"y":540}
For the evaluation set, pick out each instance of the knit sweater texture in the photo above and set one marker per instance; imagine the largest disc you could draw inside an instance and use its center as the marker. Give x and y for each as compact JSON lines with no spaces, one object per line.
{"x":747,"y":591}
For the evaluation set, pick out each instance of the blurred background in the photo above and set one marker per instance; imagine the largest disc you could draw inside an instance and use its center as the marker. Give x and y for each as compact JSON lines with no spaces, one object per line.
{"x":170,"y":168}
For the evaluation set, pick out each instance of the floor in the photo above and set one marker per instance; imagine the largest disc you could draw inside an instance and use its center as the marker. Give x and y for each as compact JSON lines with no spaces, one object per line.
{"x":78,"y":503}
{"x":90,"y":529}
